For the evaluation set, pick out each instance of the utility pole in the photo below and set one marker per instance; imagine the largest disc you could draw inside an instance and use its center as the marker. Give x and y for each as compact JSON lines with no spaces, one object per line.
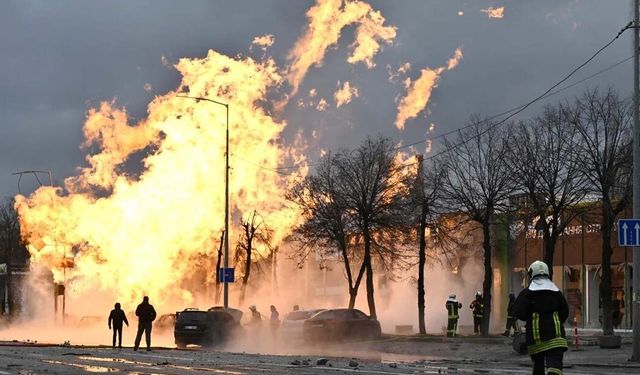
{"x":225,"y":286}
{"x":422,"y":250}
{"x":225,"y":282}
{"x":635,"y":301}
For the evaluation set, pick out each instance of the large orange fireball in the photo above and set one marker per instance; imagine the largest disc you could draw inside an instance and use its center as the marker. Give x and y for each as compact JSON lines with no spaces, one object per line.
{"x":143,"y":233}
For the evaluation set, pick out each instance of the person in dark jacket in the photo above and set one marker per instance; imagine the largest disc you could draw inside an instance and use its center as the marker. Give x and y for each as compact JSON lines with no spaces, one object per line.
{"x":117,"y":316}
{"x":478,"y":310}
{"x":274,"y":321}
{"x":545,"y":310}
{"x":512,"y":321}
{"x":146,"y":315}
{"x":452,"y":306}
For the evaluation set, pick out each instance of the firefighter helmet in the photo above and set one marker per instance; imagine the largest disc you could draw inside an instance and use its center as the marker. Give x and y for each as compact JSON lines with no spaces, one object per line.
{"x":538,"y":268}
{"x":452,"y":296}
{"x":478,"y":294}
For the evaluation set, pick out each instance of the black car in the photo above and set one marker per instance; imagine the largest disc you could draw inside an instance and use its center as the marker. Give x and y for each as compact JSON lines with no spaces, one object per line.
{"x":340,"y":324}
{"x":197,"y":327}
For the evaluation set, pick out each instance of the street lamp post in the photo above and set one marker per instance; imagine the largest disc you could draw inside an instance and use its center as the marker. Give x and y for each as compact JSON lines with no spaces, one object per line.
{"x":226,"y":197}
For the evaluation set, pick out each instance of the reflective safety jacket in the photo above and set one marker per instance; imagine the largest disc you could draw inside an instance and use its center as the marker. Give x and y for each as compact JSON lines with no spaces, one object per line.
{"x":545,"y":310}
{"x":478,"y":307}
{"x":452,"y":308}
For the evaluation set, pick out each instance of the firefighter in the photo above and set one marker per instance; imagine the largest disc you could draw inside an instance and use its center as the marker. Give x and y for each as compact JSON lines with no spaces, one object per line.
{"x":545,"y":310}
{"x":478,"y":310}
{"x":256,"y":317}
{"x":511,"y":320}
{"x":452,"y":306}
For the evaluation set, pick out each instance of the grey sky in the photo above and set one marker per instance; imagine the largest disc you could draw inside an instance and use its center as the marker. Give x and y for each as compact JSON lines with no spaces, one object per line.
{"x":59,"y":58}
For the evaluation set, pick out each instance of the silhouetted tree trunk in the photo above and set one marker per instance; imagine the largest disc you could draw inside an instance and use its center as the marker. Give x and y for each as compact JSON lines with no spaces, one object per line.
{"x":603,"y":122}
{"x":326,"y":226}
{"x":478,"y":183}
{"x":374,"y":191}
{"x":245,"y":248}
{"x":544,"y":168}
{"x":218,"y":267}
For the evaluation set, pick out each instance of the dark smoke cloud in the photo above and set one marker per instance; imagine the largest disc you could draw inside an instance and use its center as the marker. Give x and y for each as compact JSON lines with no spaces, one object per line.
{"x":59,"y":58}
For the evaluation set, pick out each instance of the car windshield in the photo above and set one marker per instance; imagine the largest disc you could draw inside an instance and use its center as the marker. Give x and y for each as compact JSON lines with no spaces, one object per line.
{"x":299,"y":315}
{"x":192,"y":315}
{"x":331,"y":314}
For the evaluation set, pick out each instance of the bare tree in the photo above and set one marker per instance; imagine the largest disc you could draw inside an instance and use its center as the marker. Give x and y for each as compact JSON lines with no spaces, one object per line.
{"x":478,"y":183}
{"x":254,"y":233}
{"x":11,"y":245}
{"x":374,"y":189}
{"x":543,"y":164}
{"x":326,"y":225}
{"x":603,"y":122}
{"x":426,"y":196}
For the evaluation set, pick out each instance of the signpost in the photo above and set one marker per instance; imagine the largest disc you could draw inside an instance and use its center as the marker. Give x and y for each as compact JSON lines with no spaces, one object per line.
{"x":629,"y":232}
{"x":227,"y":275}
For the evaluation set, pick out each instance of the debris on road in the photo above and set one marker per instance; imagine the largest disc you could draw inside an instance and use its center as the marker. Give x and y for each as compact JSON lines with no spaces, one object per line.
{"x":322,"y":361}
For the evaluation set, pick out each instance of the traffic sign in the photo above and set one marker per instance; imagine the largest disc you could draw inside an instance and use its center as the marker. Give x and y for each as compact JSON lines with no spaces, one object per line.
{"x":629,"y":232}
{"x":227,"y":275}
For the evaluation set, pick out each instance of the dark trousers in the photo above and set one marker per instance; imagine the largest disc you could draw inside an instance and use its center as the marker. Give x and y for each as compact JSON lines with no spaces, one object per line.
{"x":553,"y":360}
{"x":477,"y":320}
{"x":452,"y":326}
{"x":511,"y":323}
{"x":117,"y":331}
{"x":146,"y":328}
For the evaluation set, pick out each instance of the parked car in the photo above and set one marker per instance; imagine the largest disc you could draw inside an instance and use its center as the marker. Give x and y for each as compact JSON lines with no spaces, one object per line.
{"x":340,"y":324}
{"x":236,"y":313}
{"x":293,"y":322}
{"x":205,"y":328}
{"x":165,"y":322}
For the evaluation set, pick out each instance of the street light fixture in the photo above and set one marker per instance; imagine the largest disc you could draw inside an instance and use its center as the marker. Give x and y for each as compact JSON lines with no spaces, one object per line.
{"x":226,"y":197}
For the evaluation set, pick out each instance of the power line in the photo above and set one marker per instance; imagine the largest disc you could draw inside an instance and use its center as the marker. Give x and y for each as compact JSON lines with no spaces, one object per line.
{"x":522,"y":108}
{"x":511,"y":112}
{"x":606,"y":69}
{"x":274,"y":170}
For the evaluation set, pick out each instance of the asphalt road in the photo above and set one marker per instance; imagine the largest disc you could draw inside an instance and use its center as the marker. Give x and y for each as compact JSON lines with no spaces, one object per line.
{"x":424,"y":358}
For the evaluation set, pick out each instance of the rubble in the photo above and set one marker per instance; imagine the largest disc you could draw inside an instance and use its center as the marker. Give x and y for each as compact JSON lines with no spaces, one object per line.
{"x":322,"y":361}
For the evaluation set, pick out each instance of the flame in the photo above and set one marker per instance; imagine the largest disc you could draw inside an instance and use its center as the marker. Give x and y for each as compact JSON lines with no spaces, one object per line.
{"x":492,"y":12}
{"x":327,"y":19}
{"x":322,"y":105}
{"x":263,"y":41}
{"x":146,"y":232}
{"x":345,"y":94}
{"x":419,"y":91}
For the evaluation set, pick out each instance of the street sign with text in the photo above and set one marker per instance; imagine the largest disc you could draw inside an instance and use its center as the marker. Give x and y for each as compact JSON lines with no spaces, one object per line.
{"x":629,"y":232}
{"x":227,"y":275}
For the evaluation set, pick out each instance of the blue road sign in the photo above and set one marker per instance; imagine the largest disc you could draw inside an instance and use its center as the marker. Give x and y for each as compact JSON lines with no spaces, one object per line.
{"x":629,"y":232}
{"x":227,"y":275}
